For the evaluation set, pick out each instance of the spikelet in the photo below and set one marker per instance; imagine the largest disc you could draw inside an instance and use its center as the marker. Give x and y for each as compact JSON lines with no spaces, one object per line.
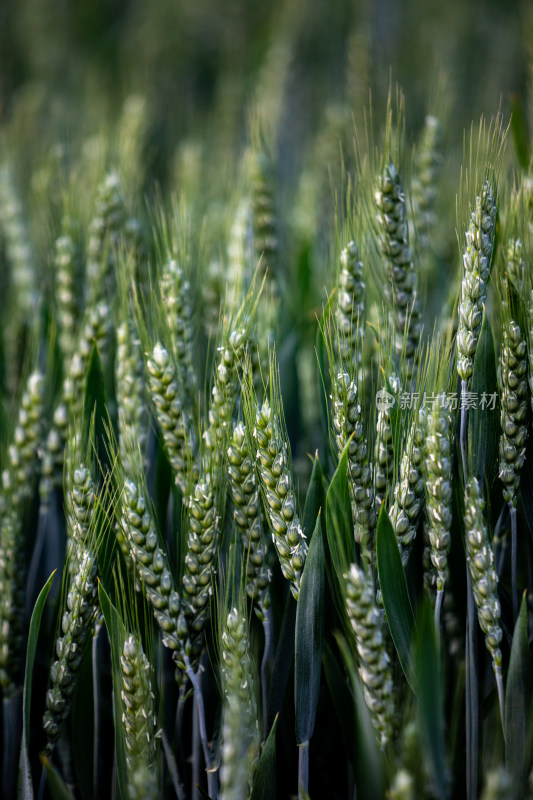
{"x":439,"y":451}
{"x":476,"y":262}
{"x":276,"y":478}
{"x":246,"y":503}
{"x":375,"y":670}
{"x":350,"y":308}
{"x":480,"y":560}
{"x":140,"y":724}
{"x":172,"y":418}
{"x":514,"y":409}
{"x":76,"y":627}
{"x":409,"y":491}
{"x":240,"y":730}
{"x":347,"y":422}
{"x":402,"y":286}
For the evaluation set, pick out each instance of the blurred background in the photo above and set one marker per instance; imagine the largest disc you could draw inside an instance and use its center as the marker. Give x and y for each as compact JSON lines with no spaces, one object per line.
{"x":68,"y":65}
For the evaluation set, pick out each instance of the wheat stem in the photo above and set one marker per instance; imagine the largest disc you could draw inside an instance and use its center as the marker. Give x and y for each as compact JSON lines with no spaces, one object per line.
{"x":267,"y":628}
{"x":514,"y":586}
{"x":212,"y":779}
{"x":303,"y":770}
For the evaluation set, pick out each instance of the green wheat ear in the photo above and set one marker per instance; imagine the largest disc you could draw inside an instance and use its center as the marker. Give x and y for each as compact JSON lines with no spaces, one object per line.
{"x":276,"y":478}
{"x":84,"y":516}
{"x":514,"y":397}
{"x":16,"y":489}
{"x":204,"y":504}
{"x":67,"y":288}
{"x":139,"y":719}
{"x":348,"y":426}
{"x":480,"y":559}
{"x":173,"y":419}
{"x":429,"y":164}
{"x":401,"y":288}
{"x":350,"y":306}
{"x":240,"y":729}
{"x":375,"y":669}
{"x":439,"y":455}
{"x":409,"y":494}
{"x":176,"y":297}
{"x":151,"y":561}
{"x":476,"y":263}
{"x":130,"y":387}
{"x":384,"y":446}
{"x":103,"y":235}
{"x":76,"y":628}
{"x":246,"y":499}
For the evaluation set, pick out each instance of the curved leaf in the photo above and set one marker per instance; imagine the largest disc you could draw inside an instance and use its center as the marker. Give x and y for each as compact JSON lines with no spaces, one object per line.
{"x":25,"y":781}
{"x":283,"y":659}
{"x":314,"y":499}
{"x":430,"y":699}
{"x":339,"y":526}
{"x":343,"y":701}
{"x":396,"y":600}
{"x":518,"y":697}
{"x":56,"y":785}
{"x":308,"y":637}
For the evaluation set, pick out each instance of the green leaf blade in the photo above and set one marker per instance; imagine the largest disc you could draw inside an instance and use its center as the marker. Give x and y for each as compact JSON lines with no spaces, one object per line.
{"x":309,"y":636}
{"x":25,"y":780}
{"x":430,"y":699}
{"x":314,"y":499}
{"x":396,"y":600}
{"x":56,"y":785}
{"x":518,"y":698}
{"x":339,"y":526}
